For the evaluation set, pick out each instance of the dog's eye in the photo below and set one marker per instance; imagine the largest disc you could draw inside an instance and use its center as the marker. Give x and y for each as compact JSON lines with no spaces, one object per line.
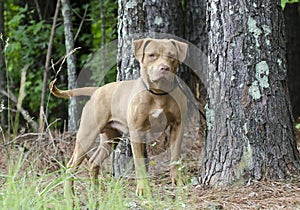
{"x":171,"y":57}
{"x":152,"y":56}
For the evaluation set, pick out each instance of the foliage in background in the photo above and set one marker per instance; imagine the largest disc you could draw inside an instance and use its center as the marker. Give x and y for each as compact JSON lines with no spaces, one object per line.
{"x":29,"y":36}
{"x":28,"y":40}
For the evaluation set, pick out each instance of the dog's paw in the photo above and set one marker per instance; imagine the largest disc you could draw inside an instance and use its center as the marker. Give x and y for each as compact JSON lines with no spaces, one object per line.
{"x":142,"y":188}
{"x":140,"y":191}
{"x":176,"y":177}
{"x":177,"y":181}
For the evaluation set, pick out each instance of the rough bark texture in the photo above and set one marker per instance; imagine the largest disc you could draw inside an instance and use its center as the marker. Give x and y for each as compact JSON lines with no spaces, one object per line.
{"x":71,"y":63}
{"x":3,"y":98}
{"x":249,"y":121}
{"x":130,"y":25}
{"x":164,"y":17}
{"x":292,"y":22}
{"x":196,"y":31}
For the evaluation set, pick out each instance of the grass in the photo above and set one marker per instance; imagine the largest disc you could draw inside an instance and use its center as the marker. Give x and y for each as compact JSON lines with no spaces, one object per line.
{"x":32,"y":176}
{"x":27,"y":189}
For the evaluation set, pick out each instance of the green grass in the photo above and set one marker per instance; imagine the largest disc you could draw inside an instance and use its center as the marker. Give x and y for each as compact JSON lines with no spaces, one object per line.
{"x":28,"y":189}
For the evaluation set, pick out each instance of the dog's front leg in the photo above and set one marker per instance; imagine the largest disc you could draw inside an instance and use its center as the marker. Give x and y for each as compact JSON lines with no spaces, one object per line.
{"x":176,"y":136}
{"x":137,"y":145}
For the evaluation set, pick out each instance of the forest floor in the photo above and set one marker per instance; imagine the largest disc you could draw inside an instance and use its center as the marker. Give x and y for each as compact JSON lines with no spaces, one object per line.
{"x":52,"y":150}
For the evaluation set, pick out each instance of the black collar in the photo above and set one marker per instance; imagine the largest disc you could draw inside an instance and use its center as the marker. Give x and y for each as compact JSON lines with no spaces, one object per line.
{"x":163,"y":93}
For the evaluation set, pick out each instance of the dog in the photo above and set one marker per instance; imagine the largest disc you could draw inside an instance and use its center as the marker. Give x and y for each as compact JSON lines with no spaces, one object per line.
{"x":150,"y":104}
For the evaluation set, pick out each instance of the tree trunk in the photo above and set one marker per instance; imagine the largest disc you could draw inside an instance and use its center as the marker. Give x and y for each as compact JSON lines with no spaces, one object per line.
{"x":164,"y":18}
{"x":250,"y":132}
{"x":71,"y":63}
{"x":130,"y":23}
{"x":3,"y":84}
{"x":47,"y":64}
{"x":138,"y":19}
{"x":292,"y":22}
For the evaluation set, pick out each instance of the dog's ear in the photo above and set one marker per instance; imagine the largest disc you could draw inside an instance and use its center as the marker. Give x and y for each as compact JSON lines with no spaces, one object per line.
{"x":181,"y":49}
{"x":138,"y":46}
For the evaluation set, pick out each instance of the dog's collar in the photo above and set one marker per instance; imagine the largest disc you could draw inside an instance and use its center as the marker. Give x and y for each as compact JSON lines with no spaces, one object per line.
{"x":163,"y":93}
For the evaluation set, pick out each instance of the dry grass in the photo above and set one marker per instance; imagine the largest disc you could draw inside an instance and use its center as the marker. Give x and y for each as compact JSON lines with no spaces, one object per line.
{"x":54,"y":150}
{"x":258,"y":195}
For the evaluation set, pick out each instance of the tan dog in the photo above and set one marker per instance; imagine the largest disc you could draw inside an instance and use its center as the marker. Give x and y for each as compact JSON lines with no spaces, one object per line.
{"x":149,"y":104}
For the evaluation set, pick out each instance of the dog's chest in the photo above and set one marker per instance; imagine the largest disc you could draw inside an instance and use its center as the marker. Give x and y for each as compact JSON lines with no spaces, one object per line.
{"x":153,"y":113}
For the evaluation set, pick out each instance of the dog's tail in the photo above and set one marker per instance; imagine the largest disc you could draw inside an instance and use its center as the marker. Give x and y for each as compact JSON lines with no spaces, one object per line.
{"x":86,"y":91}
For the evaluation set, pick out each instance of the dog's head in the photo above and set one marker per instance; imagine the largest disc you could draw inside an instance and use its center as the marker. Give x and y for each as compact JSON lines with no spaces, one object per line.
{"x":159,"y":60}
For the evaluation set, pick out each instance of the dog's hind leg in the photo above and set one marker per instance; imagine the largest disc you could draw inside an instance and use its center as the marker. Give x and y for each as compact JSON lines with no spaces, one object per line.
{"x":107,"y":145}
{"x":88,"y":132}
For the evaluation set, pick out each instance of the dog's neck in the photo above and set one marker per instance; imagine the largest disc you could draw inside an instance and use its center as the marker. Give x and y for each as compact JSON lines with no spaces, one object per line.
{"x":166,"y":89}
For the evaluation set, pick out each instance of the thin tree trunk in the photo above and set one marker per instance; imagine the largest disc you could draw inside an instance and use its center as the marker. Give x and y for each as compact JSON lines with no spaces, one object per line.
{"x":3,"y":84}
{"x":292,"y":22}
{"x":250,"y":132}
{"x":47,"y":64}
{"x":71,"y":63}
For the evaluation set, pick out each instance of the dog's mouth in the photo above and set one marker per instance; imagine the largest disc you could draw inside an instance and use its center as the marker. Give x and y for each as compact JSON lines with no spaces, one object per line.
{"x":161,"y":75}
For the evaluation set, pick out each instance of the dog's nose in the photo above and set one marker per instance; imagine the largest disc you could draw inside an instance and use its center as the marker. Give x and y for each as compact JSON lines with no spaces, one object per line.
{"x":164,"y":68}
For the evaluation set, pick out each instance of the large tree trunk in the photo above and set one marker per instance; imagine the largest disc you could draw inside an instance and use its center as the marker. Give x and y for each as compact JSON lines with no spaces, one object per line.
{"x":292,"y":22}
{"x":131,"y":23}
{"x":3,"y":98}
{"x":164,"y":18}
{"x":250,"y":131}
{"x":138,"y":19}
{"x":71,"y":63}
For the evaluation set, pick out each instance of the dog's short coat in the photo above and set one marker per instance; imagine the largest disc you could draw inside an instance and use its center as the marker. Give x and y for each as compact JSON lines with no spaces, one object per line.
{"x":149,"y":104}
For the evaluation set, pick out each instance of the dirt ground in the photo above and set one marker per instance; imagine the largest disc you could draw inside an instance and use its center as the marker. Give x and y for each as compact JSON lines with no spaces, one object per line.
{"x":52,"y":148}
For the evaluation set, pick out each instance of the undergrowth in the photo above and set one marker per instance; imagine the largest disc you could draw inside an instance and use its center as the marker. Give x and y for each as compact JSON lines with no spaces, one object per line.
{"x":30,"y":189}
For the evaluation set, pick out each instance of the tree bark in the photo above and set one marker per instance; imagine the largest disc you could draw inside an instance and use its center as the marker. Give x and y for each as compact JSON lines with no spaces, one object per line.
{"x":292,"y":22}
{"x":164,"y":18}
{"x":250,"y":132}
{"x":3,"y":84}
{"x":71,"y":63}
{"x":130,"y":23}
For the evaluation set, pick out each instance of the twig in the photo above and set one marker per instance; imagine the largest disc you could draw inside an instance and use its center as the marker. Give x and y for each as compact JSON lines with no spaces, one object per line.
{"x":19,"y":137}
{"x":81,"y":23}
{"x":64,"y":59}
{"x":38,"y":9}
{"x":50,"y":135}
